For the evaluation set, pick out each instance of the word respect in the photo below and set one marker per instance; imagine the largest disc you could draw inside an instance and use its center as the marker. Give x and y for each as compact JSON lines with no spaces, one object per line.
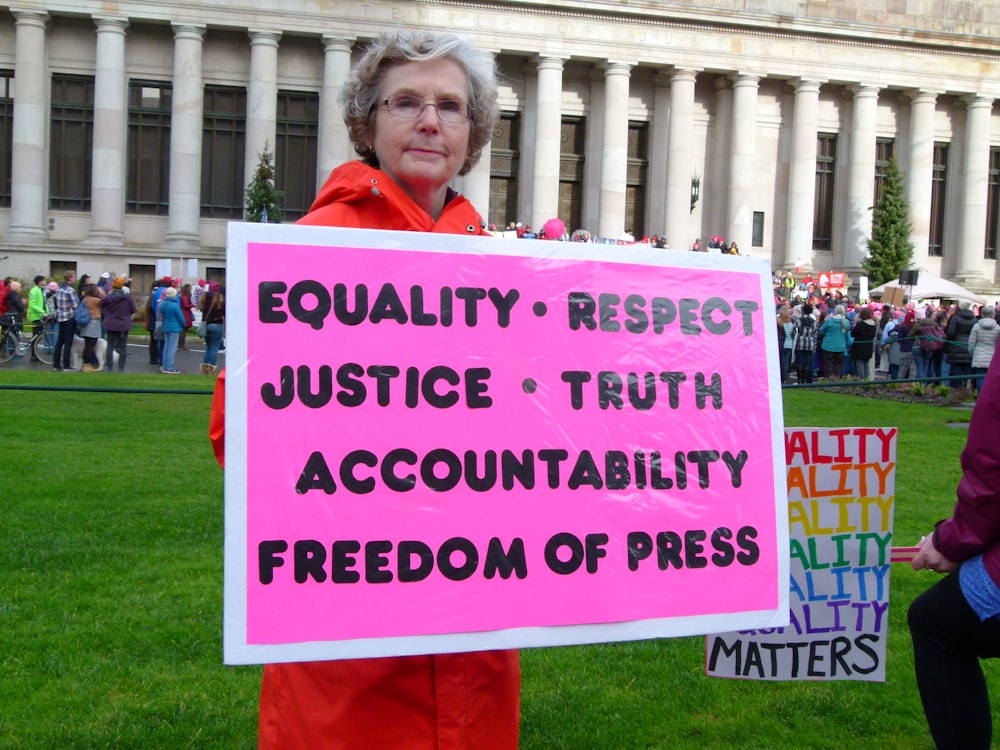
{"x":312,"y":302}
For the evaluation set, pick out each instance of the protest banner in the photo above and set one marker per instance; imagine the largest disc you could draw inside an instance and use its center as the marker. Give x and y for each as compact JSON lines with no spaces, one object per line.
{"x":841,"y":498}
{"x":439,"y":443}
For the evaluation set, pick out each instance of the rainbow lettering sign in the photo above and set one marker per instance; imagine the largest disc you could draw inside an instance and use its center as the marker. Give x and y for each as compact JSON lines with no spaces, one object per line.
{"x":841,"y":497}
{"x":439,"y":443}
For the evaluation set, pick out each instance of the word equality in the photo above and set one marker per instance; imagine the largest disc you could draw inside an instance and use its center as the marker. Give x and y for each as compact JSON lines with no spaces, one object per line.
{"x":312,"y":302}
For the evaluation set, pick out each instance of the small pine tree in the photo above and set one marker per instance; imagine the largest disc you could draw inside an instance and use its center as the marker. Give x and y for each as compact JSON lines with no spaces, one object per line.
{"x":263,"y":202}
{"x":889,"y":248}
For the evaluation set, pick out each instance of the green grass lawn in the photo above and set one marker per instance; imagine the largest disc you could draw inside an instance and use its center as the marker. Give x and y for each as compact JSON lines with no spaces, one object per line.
{"x":111,"y":597}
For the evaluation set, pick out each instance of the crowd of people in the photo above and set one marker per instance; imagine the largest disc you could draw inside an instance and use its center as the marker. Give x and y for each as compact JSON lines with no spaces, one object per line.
{"x":106,"y":310}
{"x":832,"y":337}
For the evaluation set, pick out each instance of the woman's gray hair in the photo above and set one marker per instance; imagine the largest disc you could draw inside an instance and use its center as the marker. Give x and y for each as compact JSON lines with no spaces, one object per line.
{"x":965,"y":304}
{"x":360,"y":94}
{"x":839,"y":310}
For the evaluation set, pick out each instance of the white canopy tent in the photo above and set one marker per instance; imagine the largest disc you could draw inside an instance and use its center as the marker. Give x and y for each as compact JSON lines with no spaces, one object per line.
{"x":929,"y":286}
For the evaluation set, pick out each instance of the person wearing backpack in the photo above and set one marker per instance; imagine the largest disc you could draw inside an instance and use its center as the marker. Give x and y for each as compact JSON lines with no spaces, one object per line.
{"x":921,"y":346}
{"x":88,"y":321}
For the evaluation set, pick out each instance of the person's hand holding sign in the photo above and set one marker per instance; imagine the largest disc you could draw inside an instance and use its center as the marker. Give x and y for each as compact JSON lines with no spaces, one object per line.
{"x":928,"y":557}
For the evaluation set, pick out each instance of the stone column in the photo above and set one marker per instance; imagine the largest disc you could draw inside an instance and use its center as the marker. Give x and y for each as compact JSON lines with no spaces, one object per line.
{"x":476,"y":184}
{"x":921,"y":172}
{"x":976,"y":163}
{"x":679,"y":159}
{"x":548,"y":148}
{"x":802,"y":175}
{"x":742,"y":176}
{"x":262,"y":99}
{"x":107,"y":192}
{"x":715,"y":195}
{"x":860,"y":179}
{"x":614,"y":152}
{"x":185,"y":139}
{"x":657,"y":172}
{"x":334,"y":144}
{"x":28,"y":175}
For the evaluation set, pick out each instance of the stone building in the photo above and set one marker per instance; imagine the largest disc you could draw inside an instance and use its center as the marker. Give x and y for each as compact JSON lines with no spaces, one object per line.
{"x":129,"y":130}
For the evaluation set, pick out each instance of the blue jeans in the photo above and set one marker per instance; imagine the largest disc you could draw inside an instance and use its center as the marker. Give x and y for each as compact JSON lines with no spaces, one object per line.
{"x":920,"y":360}
{"x":979,"y":373}
{"x":786,"y":362}
{"x":169,"y":343}
{"x":861,"y":368}
{"x":956,"y":369}
{"x":117,"y":342}
{"x":62,"y":356}
{"x":213,"y":340}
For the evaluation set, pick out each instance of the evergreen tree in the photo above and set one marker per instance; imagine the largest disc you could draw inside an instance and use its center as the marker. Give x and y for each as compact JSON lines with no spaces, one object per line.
{"x":263,"y":202}
{"x":889,"y":248}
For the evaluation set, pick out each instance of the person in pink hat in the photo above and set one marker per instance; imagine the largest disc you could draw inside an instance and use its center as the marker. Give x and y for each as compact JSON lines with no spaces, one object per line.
{"x":554,"y":229}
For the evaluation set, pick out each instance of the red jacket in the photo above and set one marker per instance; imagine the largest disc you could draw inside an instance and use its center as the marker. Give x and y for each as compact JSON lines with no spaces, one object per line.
{"x":356,"y":195}
{"x":465,"y":701}
{"x":974,"y":525}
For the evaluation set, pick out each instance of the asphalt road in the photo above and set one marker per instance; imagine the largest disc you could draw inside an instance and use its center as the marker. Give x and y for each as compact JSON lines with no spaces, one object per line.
{"x":188,"y":362}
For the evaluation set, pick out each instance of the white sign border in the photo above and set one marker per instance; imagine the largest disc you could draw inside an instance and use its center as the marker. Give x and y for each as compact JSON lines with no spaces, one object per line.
{"x":236,"y":649}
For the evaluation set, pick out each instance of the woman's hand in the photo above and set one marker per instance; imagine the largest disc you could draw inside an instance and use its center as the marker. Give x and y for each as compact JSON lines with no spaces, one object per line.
{"x":928,"y":557}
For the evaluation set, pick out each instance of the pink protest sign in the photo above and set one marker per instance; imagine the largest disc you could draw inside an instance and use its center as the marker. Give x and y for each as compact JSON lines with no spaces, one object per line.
{"x":438,"y":443}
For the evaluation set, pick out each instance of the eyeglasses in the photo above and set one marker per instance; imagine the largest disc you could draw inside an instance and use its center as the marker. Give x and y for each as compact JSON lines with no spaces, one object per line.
{"x":410,"y":107}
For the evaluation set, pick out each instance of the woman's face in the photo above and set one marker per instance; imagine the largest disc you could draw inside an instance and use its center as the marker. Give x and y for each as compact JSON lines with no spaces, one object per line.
{"x":423,"y":153}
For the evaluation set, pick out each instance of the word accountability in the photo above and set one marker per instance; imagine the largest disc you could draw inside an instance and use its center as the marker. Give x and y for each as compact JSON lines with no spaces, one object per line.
{"x":441,"y":470}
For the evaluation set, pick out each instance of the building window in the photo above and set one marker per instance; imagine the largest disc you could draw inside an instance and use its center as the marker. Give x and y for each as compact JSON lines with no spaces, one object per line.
{"x":757,"y":238}
{"x":141,"y":277}
{"x":826,"y":162}
{"x":635,"y":179}
{"x":147,"y":188}
{"x":216,"y":274}
{"x":885,"y":152}
{"x":505,"y":159}
{"x":993,"y":205}
{"x":939,"y":179}
{"x":223,"y":151}
{"x":296,"y":151}
{"x":6,"y":133}
{"x":58,"y":268}
{"x":573,"y":141}
{"x":71,"y":142}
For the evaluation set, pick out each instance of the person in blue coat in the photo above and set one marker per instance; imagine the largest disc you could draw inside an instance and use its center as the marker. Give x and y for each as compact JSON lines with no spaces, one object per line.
{"x":835,"y":333}
{"x":173,"y":323}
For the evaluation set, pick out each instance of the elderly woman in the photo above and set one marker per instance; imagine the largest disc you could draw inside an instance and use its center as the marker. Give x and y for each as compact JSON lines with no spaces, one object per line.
{"x":419,"y":108}
{"x":983,"y":343}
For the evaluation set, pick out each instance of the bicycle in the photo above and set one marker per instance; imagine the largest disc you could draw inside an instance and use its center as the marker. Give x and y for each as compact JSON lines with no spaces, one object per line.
{"x":13,"y":344}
